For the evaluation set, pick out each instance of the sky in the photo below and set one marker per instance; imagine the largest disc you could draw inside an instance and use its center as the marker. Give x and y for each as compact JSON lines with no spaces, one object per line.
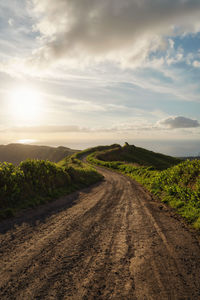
{"x":81,"y":73}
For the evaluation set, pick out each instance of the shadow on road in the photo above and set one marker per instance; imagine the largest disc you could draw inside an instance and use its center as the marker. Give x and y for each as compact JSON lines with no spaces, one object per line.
{"x":33,"y":216}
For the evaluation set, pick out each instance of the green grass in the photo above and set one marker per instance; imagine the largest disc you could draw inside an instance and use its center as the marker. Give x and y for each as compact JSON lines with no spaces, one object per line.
{"x":178,"y":185}
{"x":80,"y":173}
{"x":36,"y":182}
{"x":29,"y":184}
{"x":137,"y":155}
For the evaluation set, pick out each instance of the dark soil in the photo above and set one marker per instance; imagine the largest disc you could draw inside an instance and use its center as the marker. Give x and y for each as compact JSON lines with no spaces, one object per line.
{"x":112,"y":241}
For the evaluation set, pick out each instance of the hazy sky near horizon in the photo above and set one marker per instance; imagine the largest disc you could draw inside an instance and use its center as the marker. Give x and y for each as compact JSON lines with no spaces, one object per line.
{"x":84,"y":72}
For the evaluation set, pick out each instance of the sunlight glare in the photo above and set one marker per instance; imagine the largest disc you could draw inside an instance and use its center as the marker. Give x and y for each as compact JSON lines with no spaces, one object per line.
{"x":25,"y":104}
{"x":26,"y":141}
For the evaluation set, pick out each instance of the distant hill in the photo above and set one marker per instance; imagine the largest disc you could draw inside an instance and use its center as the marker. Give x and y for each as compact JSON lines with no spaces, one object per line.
{"x":15,"y":153}
{"x":136,"y":155}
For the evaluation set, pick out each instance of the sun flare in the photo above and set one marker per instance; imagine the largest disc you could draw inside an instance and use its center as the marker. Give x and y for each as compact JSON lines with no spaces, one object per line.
{"x":25,"y":104}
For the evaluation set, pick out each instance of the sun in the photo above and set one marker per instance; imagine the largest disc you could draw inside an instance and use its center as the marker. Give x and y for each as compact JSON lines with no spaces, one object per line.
{"x":25,"y":104}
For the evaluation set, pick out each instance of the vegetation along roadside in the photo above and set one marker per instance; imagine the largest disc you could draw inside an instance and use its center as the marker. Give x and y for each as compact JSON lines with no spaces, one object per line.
{"x":174,"y":181}
{"x":35,"y":182}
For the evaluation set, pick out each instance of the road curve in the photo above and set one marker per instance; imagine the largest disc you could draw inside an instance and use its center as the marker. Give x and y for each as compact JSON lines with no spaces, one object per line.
{"x":111,"y":241}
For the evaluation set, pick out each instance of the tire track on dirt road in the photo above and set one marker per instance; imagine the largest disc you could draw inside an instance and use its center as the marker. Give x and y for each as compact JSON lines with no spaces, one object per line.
{"x":111,"y":241}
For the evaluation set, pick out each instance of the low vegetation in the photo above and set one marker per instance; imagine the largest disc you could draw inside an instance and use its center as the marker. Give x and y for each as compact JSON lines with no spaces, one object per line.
{"x":35,"y":182}
{"x":174,"y":182}
{"x":80,"y":172}
{"x":138,"y":156}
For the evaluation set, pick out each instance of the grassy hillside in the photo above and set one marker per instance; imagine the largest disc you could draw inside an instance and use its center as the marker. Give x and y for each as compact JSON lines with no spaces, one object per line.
{"x":138,"y":156}
{"x":15,"y":153}
{"x":75,"y":158}
{"x":178,"y":185}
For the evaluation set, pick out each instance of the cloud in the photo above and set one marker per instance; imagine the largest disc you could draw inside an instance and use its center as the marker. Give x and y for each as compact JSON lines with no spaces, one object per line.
{"x":196,"y":64}
{"x":11,"y":22}
{"x":46,"y":129}
{"x":125,"y":30}
{"x":178,"y":122}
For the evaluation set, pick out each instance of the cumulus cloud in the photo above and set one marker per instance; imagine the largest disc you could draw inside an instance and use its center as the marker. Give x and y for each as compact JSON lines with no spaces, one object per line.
{"x":126,"y":31}
{"x":178,"y":122}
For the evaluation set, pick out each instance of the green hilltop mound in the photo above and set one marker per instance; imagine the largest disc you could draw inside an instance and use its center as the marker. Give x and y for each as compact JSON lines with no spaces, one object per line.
{"x":15,"y":153}
{"x":139,"y":156}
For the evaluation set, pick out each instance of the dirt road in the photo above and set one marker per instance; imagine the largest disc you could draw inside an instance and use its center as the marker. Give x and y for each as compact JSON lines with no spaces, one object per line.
{"x":112,"y":241}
